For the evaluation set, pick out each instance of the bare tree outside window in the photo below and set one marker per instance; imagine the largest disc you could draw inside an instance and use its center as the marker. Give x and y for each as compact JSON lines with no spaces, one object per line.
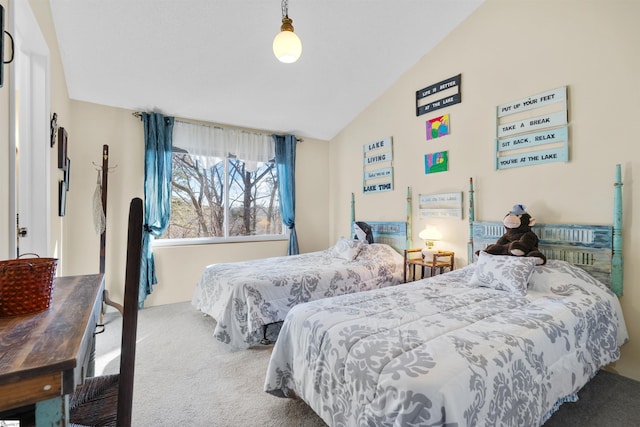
{"x":223,"y":200}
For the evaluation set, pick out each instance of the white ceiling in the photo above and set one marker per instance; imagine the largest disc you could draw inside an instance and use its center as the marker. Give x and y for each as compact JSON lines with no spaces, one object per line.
{"x":212,"y":60}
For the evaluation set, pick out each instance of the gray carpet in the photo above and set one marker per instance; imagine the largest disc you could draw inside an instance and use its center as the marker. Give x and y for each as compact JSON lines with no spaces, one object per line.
{"x":608,"y":400}
{"x":184,"y":377}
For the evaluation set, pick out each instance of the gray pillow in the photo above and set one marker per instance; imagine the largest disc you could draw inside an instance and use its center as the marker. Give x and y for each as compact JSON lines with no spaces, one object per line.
{"x":503,"y":272}
{"x":346,"y":249}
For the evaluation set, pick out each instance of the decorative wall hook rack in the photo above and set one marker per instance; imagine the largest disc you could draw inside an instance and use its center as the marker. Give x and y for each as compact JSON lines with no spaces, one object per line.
{"x":54,"y":128}
{"x":105,"y":169}
{"x":100,"y":168}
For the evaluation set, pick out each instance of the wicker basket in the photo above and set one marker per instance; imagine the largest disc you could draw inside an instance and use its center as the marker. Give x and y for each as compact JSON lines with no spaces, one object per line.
{"x":26,"y":285}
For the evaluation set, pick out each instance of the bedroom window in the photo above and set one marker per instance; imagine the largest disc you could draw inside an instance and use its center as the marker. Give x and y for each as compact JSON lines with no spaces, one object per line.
{"x":220,"y":196}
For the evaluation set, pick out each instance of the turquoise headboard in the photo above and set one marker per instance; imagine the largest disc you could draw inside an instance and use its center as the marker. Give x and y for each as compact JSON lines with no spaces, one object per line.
{"x":587,"y":246}
{"x":393,"y":234}
{"x":396,"y":234}
{"x":595,"y":248}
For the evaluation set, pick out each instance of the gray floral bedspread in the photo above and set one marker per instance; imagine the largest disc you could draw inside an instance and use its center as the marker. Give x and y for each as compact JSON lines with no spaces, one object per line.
{"x":244,"y":296}
{"x":440,"y":352}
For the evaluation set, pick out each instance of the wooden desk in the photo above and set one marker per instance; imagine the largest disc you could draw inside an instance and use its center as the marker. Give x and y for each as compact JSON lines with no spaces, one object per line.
{"x":44,"y":356}
{"x":436,"y":262}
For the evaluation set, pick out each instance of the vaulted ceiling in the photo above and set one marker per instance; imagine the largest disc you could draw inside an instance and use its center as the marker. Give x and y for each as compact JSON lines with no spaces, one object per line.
{"x":212,"y":60}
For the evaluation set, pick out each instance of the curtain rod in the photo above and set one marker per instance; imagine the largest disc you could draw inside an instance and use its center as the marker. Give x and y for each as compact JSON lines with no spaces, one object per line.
{"x":138,"y":114}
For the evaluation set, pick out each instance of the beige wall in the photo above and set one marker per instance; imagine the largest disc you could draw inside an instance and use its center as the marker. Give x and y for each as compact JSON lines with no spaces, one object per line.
{"x":506,"y":51}
{"x":179,"y":267}
{"x":74,"y":240}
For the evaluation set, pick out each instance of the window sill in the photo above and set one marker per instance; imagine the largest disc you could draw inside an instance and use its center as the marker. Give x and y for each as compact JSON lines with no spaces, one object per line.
{"x":217,"y":240}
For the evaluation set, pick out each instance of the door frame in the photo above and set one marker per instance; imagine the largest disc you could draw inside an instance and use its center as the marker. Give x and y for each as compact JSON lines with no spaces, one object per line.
{"x":30,"y":47}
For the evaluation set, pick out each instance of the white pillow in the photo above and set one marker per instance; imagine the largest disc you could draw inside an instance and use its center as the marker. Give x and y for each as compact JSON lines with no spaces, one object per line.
{"x":346,"y":249}
{"x":503,"y":272}
{"x":360,"y":234}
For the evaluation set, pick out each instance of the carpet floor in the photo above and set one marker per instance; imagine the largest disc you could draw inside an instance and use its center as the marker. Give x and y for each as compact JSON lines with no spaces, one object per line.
{"x":184,"y":377}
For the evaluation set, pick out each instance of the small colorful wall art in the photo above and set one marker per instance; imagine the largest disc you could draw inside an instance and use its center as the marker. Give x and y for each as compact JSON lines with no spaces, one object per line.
{"x":436,"y":162}
{"x":437,"y":127}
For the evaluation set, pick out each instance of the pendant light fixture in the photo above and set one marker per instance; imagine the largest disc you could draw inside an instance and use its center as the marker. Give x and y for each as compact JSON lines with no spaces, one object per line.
{"x":287,"y":46}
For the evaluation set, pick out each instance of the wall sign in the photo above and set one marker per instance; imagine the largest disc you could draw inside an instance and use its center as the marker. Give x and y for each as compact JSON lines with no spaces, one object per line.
{"x":533,"y":123}
{"x":377,"y":171}
{"x":424,"y":97}
{"x":539,"y":135}
{"x":533,"y":139}
{"x":445,"y":205}
{"x":533,"y":158}
{"x":534,"y":101}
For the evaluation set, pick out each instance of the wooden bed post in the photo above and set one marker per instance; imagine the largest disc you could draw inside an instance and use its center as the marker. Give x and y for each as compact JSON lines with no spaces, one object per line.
{"x":472,"y":218}
{"x":616,"y":262}
{"x":353,"y":214}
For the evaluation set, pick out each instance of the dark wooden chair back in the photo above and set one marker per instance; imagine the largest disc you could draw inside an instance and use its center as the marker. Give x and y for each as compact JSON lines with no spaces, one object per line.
{"x":130,"y":316}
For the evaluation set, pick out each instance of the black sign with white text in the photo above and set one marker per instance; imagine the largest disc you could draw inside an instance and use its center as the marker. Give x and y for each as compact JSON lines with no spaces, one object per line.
{"x":452,"y":82}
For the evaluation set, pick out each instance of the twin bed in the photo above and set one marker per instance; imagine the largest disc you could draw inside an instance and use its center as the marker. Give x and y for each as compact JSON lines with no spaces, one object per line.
{"x":443,"y":352}
{"x":499,"y":342}
{"x":246,"y":297}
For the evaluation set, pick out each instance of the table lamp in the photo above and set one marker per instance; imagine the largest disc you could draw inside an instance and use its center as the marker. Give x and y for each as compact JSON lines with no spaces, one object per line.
{"x":430,"y":235}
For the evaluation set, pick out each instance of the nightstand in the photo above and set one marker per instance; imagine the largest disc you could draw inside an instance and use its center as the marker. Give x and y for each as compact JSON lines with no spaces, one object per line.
{"x":436,"y":262}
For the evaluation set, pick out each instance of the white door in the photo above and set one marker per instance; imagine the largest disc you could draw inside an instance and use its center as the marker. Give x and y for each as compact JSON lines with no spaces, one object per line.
{"x":29,"y":98}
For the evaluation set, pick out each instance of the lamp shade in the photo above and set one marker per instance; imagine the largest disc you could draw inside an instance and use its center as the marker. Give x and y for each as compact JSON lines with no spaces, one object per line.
{"x":287,"y":47}
{"x":430,"y":233}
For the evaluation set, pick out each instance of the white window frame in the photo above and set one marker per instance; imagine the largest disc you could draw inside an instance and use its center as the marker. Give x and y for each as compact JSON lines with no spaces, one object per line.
{"x":229,"y":134}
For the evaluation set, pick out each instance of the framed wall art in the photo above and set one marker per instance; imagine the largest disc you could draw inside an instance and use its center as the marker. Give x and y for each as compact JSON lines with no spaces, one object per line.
{"x":62,"y":198}
{"x":438,"y":127}
{"x":62,"y":148}
{"x":67,"y":173}
{"x":436,"y":162}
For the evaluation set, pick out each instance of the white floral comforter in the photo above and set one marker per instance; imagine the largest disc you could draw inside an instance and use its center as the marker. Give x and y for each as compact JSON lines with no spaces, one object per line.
{"x":439,"y":352}
{"x":244,"y":296}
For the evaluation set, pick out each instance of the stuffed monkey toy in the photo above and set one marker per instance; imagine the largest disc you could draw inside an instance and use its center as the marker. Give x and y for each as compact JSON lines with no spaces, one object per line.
{"x":518,"y":239}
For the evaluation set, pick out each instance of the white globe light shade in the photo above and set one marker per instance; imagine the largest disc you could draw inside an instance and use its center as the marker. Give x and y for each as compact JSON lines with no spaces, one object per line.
{"x":287,"y":47}
{"x":430,"y":233}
